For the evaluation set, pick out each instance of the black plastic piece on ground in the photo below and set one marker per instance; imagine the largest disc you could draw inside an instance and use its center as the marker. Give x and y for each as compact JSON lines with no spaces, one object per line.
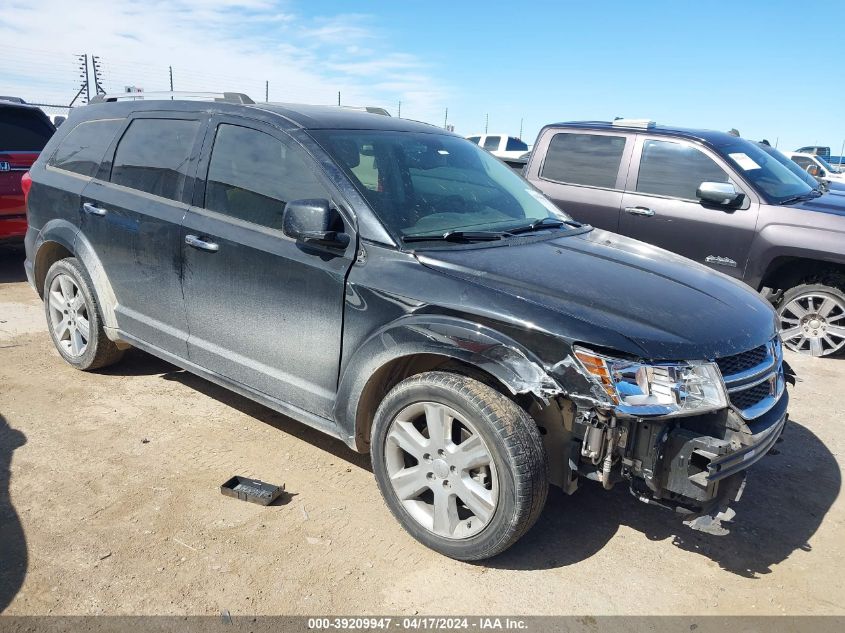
{"x":251,"y":490}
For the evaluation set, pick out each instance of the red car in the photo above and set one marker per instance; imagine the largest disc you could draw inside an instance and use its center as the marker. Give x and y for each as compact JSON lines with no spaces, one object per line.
{"x":24,"y":130}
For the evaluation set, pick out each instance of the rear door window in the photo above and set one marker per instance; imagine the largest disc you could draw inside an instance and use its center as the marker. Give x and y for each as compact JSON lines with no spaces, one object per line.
{"x":82,"y":149}
{"x":584,"y":159}
{"x":23,"y":130}
{"x":491,"y":143}
{"x":153,"y":156}
{"x":253,"y":175}
{"x":676,"y":170}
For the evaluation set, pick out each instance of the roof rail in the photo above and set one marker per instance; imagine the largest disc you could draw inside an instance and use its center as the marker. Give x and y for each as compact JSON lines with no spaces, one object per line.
{"x":228,"y":97}
{"x":640,"y":123}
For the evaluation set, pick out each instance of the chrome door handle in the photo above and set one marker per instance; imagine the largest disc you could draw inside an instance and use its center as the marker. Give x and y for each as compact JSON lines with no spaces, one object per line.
{"x":196,"y":242}
{"x":90,"y":208}
{"x":639,"y":211}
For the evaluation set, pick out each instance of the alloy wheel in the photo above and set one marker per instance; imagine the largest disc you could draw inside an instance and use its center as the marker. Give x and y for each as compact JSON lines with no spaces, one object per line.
{"x":69,"y":316}
{"x":441,"y":470}
{"x":813,"y":324}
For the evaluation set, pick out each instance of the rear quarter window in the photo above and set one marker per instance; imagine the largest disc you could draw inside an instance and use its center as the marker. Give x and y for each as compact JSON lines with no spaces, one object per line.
{"x":83,"y":148}
{"x":24,"y":130}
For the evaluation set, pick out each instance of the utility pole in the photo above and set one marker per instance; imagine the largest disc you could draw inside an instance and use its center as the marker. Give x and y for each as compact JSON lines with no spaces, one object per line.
{"x":400,"y":111}
{"x":520,"y":129}
{"x":338,"y":97}
{"x":446,"y":119}
{"x":841,"y":151}
{"x":267,"y":90}
{"x":171,"y":78}
{"x":486,"y":122}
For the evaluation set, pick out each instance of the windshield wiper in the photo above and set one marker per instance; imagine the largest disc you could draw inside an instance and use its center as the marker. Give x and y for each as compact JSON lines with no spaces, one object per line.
{"x":457,"y":236}
{"x":546,"y":223}
{"x":814,"y":193}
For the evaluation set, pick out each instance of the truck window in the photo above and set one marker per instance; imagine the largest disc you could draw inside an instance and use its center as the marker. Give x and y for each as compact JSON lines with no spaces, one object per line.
{"x":584,"y":159}
{"x":802,"y":161}
{"x":515,"y":145}
{"x":491,"y":143}
{"x":474,"y":139}
{"x":675,"y":170}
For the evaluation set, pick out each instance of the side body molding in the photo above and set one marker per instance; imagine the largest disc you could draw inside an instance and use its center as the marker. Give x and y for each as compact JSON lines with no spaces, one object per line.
{"x":477,"y":345}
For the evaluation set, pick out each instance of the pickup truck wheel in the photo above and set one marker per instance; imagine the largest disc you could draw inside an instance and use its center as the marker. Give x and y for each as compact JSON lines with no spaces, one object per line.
{"x":460,"y":466}
{"x":73,"y":318}
{"x":812,"y":319}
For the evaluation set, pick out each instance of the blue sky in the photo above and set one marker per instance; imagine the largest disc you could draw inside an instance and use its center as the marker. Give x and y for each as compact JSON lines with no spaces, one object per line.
{"x":747,"y":65}
{"x":765,"y":68}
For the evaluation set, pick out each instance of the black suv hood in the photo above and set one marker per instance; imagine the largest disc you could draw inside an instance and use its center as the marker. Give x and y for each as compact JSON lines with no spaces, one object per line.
{"x":669,"y":307}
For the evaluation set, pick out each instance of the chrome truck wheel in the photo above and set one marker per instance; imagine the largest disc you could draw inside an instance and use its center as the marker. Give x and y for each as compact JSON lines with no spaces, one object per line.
{"x":812,"y":320}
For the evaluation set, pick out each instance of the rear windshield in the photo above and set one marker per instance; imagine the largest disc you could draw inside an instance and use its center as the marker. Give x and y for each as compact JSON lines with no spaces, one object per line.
{"x":23,"y":130}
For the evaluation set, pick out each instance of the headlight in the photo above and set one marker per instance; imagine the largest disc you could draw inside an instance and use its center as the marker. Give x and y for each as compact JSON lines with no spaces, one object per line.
{"x":642,"y":389}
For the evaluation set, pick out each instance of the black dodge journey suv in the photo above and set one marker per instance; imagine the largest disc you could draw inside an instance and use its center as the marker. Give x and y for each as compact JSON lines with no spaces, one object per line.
{"x":395,"y":286}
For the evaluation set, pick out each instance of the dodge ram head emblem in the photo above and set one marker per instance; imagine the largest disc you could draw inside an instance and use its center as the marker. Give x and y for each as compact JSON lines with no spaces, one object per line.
{"x":5,"y":166}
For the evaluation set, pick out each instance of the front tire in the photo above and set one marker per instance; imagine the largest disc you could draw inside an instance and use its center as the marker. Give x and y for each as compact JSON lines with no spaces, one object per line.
{"x":460,"y":466}
{"x":73,"y":318}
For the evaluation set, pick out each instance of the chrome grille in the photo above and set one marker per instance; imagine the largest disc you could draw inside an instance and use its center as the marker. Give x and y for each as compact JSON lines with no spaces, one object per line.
{"x":747,"y":398}
{"x":754,"y":379}
{"x":730,"y":365}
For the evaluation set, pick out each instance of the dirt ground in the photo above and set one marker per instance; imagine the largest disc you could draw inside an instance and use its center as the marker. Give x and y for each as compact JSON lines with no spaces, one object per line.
{"x":110,"y":504}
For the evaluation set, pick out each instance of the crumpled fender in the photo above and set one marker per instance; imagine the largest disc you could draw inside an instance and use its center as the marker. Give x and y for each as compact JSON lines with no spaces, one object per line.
{"x":514,"y":366}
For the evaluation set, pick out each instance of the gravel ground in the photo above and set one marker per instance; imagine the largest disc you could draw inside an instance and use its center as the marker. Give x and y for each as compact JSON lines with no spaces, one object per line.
{"x":110,"y":504}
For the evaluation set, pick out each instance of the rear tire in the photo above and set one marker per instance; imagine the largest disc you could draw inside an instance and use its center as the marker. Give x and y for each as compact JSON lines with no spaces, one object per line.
{"x":812,"y":317}
{"x":460,"y":466}
{"x":73,"y":318}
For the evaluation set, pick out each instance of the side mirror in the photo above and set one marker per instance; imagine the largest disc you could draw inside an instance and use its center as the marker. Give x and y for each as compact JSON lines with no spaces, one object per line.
{"x":315,"y":223}
{"x":723,"y":194}
{"x":813,"y":170}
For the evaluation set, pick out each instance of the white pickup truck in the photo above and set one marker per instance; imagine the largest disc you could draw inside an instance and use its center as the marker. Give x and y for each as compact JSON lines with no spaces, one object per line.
{"x":823,"y":171}
{"x":501,"y":145}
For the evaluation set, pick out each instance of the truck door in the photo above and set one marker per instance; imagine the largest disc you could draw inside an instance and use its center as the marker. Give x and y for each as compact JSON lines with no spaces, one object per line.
{"x":660,"y":205}
{"x":583,"y":173}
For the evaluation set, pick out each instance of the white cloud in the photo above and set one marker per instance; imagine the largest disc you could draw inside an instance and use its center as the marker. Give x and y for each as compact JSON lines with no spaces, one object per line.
{"x":212,"y":45}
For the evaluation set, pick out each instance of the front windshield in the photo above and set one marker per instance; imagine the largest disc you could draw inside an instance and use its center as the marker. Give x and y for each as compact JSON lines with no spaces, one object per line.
{"x":791,"y":165}
{"x":774,"y":180}
{"x":421,"y":184}
{"x":827,"y":165}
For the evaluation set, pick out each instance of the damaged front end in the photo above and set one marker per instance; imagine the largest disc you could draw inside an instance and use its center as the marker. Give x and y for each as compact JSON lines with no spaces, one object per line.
{"x":680,"y":434}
